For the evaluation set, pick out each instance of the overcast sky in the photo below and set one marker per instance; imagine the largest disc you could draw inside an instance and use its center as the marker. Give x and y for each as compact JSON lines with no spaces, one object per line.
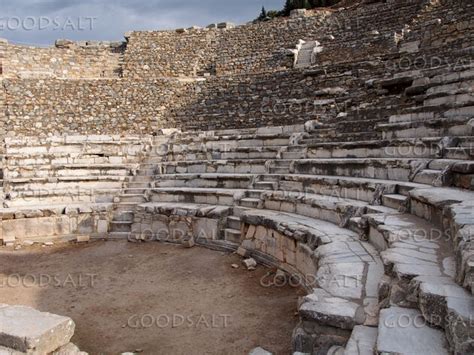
{"x":44,"y":21}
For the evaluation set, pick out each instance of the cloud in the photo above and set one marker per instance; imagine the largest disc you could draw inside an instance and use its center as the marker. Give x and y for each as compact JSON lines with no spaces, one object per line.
{"x":25,"y":21}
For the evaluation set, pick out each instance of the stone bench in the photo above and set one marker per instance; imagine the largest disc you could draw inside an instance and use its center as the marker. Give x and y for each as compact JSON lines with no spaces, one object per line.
{"x":364,"y":189}
{"x":452,"y":210}
{"x":72,"y":194}
{"x":253,"y":166}
{"x":436,"y":127}
{"x":261,"y":131}
{"x":226,"y":181}
{"x":430,"y":172}
{"x":180,"y":223}
{"x":222,"y":152}
{"x":323,"y":253}
{"x":69,"y":170}
{"x":436,"y":172}
{"x":55,"y":222}
{"x":420,"y":269}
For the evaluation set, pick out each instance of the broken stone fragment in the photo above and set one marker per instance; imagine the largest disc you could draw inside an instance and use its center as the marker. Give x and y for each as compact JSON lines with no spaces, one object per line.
{"x":83,"y":238}
{"x":250,"y":263}
{"x":189,"y":243}
{"x":241,"y":251}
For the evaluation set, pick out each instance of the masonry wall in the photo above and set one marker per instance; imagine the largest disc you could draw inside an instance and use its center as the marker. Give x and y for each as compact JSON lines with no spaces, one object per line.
{"x":169,"y":53}
{"x":107,"y":106}
{"x":232,"y":77}
{"x":264,"y":47}
{"x":67,"y":60}
{"x":352,"y":34}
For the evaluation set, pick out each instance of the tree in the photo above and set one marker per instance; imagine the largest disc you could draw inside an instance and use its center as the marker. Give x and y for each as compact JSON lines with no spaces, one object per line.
{"x":263,"y":14}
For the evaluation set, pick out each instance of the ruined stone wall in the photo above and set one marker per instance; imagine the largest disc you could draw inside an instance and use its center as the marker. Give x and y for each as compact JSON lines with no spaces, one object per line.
{"x":263,"y":47}
{"x":247,"y":49}
{"x":441,"y":24}
{"x":66,"y":60}
{"x":248,"y":84}
{"x":158,"y":54}
{"x":272,"y":99}
{"x":102,"y":106}
{"x":351,"y":34}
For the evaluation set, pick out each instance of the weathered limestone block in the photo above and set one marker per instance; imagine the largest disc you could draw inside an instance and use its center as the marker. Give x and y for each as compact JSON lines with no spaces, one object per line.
{"x":30,"y":331}
{"x":322,"y":308}
{"x":404,"y":331}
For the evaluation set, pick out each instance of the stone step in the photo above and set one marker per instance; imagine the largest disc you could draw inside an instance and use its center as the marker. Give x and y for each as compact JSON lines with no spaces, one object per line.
{"x":249,"y":202}
{"x":380,"y":209}
{"x":279,"y":170}
{"x":363,"y":341}
{"x":233,"y":222}
{"x":135,"y":191}
{"x":403,"y":331}
{"x":453,"y":101}
{"x":147,"y":172}
{"x":355,"y":225}
{"x":460,"y":153}
{"x":123,"y":216}
{"x":256,"y":194}
{"x":411,"y":117}
{"x":124,"y":206}
{"x":344,"y":137}
{"x":447,"y":305}
{"x":142,"y":179}
{"x":431,"y":128}
{"x":138,"y":184}
{"x":136,"y":198}
{"x":395,"y":201}
{"x":120,"y":226}
{"x":232,"y":235}
{"x":240,"y":210}
{"x":450,"y":89}
{"x":428,"y":177}
{"x":27,"y":330}
{"x":266,"y":185}
{"x":293,"y":155}
{"x":349,"y":187}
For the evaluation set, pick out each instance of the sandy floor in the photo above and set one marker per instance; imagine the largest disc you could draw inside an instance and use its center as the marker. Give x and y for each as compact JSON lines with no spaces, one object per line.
{"x":152,"y":298}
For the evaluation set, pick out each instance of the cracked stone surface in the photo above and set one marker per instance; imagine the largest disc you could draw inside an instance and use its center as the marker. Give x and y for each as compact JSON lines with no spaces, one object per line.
{"x":27,"y":330}
{"x":403,"y":331}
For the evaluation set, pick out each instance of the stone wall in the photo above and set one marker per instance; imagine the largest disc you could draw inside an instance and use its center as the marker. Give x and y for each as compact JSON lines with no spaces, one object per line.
{"x":266,"y":99}
{"x":348,"y":35}
{"x":222,"y":51}
{"x":242,"y":76}
{"x":142,"y":107}
{"x":170,"y":53}
{"x":66,"y":60}
{"x":53,"y":106}
{"x":263,"y":47}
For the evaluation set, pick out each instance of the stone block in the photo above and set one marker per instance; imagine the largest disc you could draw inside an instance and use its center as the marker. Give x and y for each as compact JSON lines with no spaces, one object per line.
{"x":102,"y":226}
{"x":83,"y":238}
{"x":205,"y":228}
{"x":28,"y":330}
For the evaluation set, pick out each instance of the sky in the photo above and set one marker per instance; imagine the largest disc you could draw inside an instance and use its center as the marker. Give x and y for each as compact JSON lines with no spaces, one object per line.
{"x":41,"y":22}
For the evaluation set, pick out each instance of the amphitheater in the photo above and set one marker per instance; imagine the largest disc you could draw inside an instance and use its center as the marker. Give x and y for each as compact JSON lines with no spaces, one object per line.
{"x":333,"y":143}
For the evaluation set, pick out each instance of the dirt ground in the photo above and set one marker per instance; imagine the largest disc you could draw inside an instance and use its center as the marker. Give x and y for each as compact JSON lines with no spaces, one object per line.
{"x":152,"y":298}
